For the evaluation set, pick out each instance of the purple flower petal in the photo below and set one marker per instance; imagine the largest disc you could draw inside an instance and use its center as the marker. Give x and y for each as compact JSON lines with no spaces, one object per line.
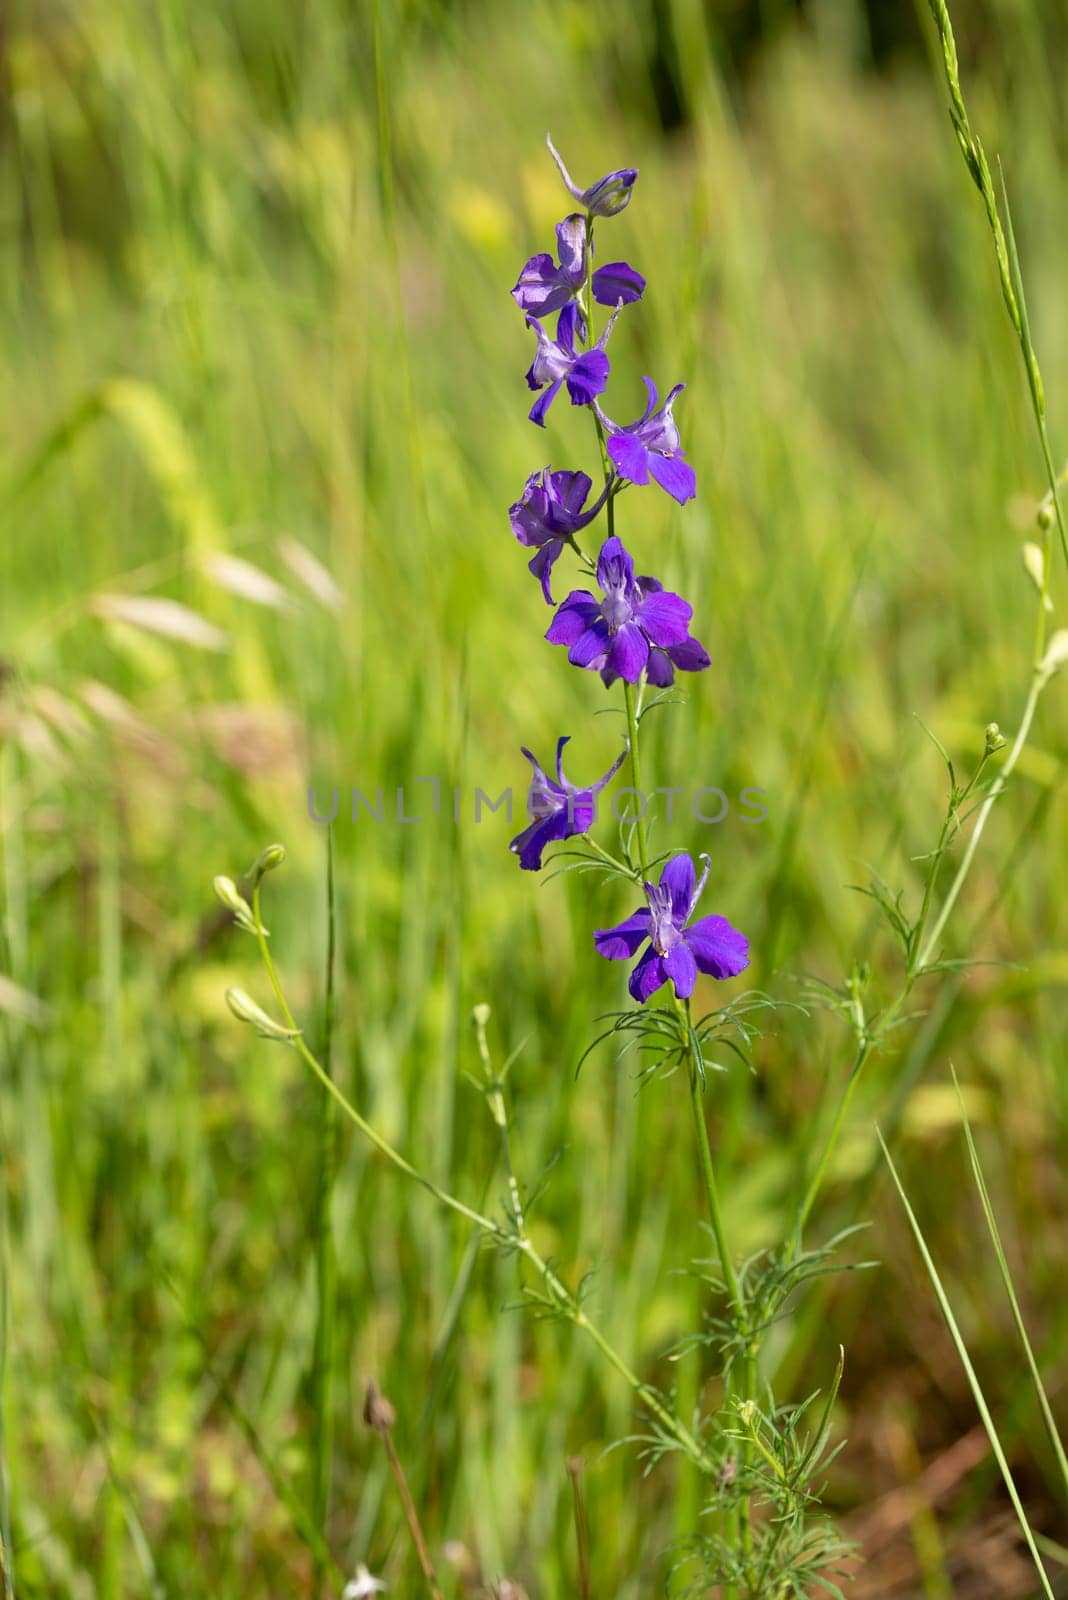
{"x":617,"y":281}
{"x":681,"y":968}
{"x":647,"y":976}
{"x":665,"y":617}
{"x":628,"y":651}
{"x":587,"y":377}
{"x":544,"y":401}
{"x":541,"y":289}
{"x":678,"y":879}
{"x":542,"y":566}
{"x":577,"y":613}
{"x":624,"y":940}
{"x":718,"y":948}
{"x":571,"y":489}
{"x":571,"y":245}
{"x":567,"y":325}
{"x":543,"y":831}
{"x":658,"y":669}
{"x":675,"y":474}
{"x":630,"y":457}
{"x":590,"y":647}
{"x":689,"y":656}
{"x":615,"y":569}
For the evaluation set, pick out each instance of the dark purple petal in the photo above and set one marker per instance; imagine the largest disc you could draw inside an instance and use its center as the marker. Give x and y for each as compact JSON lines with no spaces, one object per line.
{"x":658,"y":669}
{"x":690,"y":656}
{"x":617,"y":281}
{"x":571,"y":246}
{"x":678,"y":879}
{"x":647,"y":976}
{"x":665,"y":617}
{"x":630,"y":457}
{"x":589,"y":648}
{"x":571,"y":489}
{"x":577,"y":613}
{"x":544,"y":401}
{"x":587,"y":377}
{"x":624,"y":940}
{"x":649,"y":585}
{"x":615,"y":569}
{"x":681,"y":968}
{"x":542,"y":566}
{"x":543,"y":831}
{"x":628,"y":651}
{"x":718,"y":949}
{"x":675,"y":474}
{"x":567,"y":324}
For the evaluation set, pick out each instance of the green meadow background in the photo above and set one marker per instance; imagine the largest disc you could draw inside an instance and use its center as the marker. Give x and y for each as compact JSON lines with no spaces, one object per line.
{"x":255,"y":272}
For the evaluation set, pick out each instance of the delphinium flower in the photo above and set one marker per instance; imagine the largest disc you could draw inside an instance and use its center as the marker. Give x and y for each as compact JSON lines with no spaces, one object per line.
{"x":549,"y":514}
{"x":560,"y":810}
{"x":676,"y":949}
{"x":635,"y":626}
{"x":649,"y":447}
{"x":556,"y":361}
{"x":545,"y":286}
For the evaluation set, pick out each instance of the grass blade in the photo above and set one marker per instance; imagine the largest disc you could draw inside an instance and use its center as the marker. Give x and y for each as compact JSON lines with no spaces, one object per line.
{"x":970,"y":1373}
{"x":1006,"y":1278}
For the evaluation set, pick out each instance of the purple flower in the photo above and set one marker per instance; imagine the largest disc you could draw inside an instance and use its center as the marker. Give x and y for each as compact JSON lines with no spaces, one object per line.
{"x":544,"y":287}
{"x":605,"y":198}
{"x":548,"y":516}
{"x":651,"y":446}
{"x":559,"y":809}
{"x":556,"y":361}
{"x":677,"y":949}
{"x":635,"y":623}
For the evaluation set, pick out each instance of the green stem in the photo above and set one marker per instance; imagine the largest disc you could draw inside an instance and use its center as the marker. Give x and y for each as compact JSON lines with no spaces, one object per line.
{"x":569,"y":1306}
{"x":708,"y":1173}
{"x":1039,"y":679}
{"x":629,"y":701}
{"x":816,"y":1181}
{"x":738,"y":1519}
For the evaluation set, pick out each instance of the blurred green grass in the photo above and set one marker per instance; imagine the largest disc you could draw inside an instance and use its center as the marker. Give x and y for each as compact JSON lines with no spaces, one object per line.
{"x":255,"y":287}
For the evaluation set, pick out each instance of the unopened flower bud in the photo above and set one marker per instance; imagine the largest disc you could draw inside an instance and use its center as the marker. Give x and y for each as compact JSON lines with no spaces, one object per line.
{"x":481,"y":1014}
{"x":605,"y":198}
{"x":1045,"y":514}
{"x":227,"y":892}
{"x":1035,"y":565}
{"x":245,"y":1009}
{"x":266,"y":862}
{"x":994,"y":738}
{"x":377,"y":1411}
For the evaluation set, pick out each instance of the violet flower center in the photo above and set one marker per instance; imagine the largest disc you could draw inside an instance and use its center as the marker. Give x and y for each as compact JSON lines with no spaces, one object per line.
{"x":616,"y":609}
{"x":664,"y":932}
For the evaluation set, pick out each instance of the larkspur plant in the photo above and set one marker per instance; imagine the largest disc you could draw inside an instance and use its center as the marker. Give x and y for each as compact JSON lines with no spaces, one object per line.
{"x":760,"y":1533}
